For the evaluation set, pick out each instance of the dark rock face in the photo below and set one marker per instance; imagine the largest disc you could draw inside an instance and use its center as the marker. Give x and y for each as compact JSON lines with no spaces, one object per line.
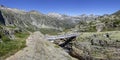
{"x":68,"y":41}
{"x":8,"y":33}
{"x":1,"y":5}
{"x":2,"y":21}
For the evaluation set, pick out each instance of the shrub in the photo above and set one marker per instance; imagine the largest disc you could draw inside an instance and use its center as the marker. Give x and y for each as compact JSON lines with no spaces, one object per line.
{"x":21,"y":34}
{"x":5,"y":39}
{"x":9,"y":47}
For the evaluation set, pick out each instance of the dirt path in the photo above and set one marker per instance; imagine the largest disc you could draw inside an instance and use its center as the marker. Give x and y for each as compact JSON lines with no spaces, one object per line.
{"x":40,"y":49}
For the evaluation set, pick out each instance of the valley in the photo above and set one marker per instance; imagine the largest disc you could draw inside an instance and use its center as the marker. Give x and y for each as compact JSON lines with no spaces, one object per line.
{"x":31,"y":35}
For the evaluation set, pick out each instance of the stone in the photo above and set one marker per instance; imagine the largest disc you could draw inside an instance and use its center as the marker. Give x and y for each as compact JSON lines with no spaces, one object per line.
{"x":99,"y":27}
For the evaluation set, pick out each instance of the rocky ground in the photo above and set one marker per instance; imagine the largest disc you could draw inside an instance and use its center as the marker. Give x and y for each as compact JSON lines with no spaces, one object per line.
{"x":40,"y":49}
{"x":87,"y":46}
{"x":97,"y":46}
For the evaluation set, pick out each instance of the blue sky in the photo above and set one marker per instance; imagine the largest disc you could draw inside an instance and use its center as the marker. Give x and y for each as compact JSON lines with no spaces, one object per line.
{"x":69,"y":7}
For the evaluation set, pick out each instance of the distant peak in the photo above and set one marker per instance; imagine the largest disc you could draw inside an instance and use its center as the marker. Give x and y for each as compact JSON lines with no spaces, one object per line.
{"x":2,"y":6}
{"x":34,"y":11}
{"x":116,"y":13}
{"x":54,"y":14}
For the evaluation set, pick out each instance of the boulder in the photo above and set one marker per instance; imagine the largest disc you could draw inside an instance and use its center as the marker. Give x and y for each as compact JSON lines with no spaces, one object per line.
{"x":99,"y":27}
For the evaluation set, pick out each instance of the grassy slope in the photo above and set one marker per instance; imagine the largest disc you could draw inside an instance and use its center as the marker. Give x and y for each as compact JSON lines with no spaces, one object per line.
{"x":10,"y":47}
{"x":113,"y":34}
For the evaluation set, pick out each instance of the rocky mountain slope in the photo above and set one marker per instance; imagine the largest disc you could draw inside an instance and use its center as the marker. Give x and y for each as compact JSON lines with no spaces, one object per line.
{"x":97,"y":46}
{"x":31,"y":20}
{"x":107,"y":22}
{"x":35,"y":20}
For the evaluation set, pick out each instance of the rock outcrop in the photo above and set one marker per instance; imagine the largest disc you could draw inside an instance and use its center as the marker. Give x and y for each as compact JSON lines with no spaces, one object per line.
{"x":100,"y":27}
{"x":97,"y":47}
{"x":40,"y":49}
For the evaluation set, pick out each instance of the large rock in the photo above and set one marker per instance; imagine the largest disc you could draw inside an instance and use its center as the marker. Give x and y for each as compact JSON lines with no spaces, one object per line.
{"x":99,"y":27}
{"x":40,"y":49}
{"x":97,"y":47}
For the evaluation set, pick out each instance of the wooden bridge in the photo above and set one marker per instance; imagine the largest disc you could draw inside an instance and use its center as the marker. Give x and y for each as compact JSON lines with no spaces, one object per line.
{"x":64,"y":36}
{"x":62,"y":40}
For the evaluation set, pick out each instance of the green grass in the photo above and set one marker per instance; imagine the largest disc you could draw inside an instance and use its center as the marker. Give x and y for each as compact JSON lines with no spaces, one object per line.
{"x":21,"y":34}
{"x":113,"y":35}
{"x":56,"y":46}
{"x":9,"y":47}
{"x":1,"y":27}
{"x":3,"y":37}
{"x":11,"y":27}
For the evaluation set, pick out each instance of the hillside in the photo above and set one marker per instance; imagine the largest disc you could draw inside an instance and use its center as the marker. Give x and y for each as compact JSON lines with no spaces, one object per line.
{"x":34,"y":20}
{"x":97,"y":46}
{"x":99,"y":39}
{"x":107,"y":22}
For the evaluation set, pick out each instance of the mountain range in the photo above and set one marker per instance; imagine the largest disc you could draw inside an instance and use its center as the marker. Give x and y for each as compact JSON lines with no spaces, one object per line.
{"x":35,"y":20}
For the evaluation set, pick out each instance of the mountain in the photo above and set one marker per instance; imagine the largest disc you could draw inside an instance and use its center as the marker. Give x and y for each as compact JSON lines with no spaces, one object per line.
{"x":117,"y":13}
{"x":98,"y":37}
{"x":107,"y":22}
{"x":32,"y":20}
{"x":85,"y":17}
{"x":13,"y":20}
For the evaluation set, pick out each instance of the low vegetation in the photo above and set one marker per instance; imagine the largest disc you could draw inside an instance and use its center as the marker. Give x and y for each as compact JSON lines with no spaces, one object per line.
{"x":103,"y":44}
{"x":49,"y":31}
{"x":11,"y":27}
{"x":8,"y":47}
{"x":21,"y":34}
{"x":112,"y":34}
